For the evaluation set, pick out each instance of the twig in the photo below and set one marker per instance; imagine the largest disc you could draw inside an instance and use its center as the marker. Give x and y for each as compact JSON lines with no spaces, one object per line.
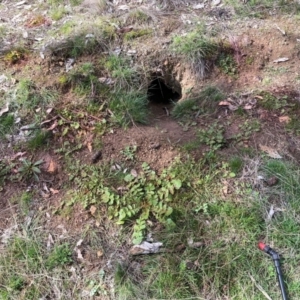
{"x":259,"y":287}
{"x":281,"y":30}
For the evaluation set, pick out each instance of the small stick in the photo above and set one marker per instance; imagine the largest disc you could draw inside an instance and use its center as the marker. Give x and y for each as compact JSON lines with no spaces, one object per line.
{"x":260,"y":288}
{"x":281,"y":30}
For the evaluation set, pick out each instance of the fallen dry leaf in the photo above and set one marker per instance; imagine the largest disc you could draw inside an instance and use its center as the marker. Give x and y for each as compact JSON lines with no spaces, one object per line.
{"x":50,"y":242}
{"x":134,"y":173}
{"x":93,"y":209}
{"x":270,"y":151}
{"x":52,"y":166}
{"x":79,"y":254}
{"x":224,"y":103}
{"x":49,"y":110}
{"x":4,"y":109}
{"x":19,"y":154}
{"x":89,"y":146}
{"x":248,"y":106}
{"x":53,"y":191}
{"x":259,"y":97}
{"x":53,"y":126}
{"x":100,"y":253}
{"x":284,"y":119}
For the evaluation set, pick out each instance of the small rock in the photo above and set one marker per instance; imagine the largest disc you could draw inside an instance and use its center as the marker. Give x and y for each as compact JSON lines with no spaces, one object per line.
{"x":215,"y":2}
{"x":145,"y":248}
{"x":25,"y":34}
{"x":272,"y":181}
{"x":154,"y":146}
{"x":20,"y":3}
{"x":131,"y":52}
{"x":69,"y":64}
{"x":3,"y":78}
{"x":281,"y":59}
{"x":198,"y":6}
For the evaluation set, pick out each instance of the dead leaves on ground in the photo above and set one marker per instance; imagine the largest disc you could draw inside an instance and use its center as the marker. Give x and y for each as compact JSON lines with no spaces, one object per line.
{"x":270,"y":152}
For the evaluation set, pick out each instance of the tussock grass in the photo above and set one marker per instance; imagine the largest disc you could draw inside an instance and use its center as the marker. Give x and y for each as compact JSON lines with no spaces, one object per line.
{"x":198,"y":50}
{"x":205,"y":102}
{"x":129,"y":107}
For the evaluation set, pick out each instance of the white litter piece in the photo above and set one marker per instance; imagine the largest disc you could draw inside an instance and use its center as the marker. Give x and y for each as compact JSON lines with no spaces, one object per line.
{"x":281,"y":59}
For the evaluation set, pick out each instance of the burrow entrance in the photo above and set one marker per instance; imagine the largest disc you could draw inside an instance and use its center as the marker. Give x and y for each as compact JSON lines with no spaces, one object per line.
{"x":163,"y":91}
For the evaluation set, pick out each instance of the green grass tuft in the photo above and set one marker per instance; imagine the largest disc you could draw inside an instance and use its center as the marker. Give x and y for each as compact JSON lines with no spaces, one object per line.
{"x":199,"y":51}
{"x":128,"y":107}
{"x":39,"y":140}
{"x":6,"y":124}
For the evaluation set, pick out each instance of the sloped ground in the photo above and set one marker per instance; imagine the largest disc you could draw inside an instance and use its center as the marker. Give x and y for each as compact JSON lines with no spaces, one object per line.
{"x":83,"y":149}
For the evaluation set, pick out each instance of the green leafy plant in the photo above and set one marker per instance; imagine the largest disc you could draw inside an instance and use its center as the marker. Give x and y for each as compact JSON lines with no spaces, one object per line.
{"x":246,"y":130}
{"x":129,"y":152}
{"x":271,"y":102}
{"x":213,"y":136}
{"x":30,"y":169}
{"x":227,"y":64}
{"x":59,"y":256}
{"x":143,"y":197}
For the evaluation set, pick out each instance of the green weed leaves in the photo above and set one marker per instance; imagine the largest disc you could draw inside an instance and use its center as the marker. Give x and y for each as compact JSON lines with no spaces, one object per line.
{"x":138,"y":199}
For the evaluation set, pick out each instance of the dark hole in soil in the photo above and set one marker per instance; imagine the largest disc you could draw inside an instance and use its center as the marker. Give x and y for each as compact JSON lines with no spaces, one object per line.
{"x":159,"y":92}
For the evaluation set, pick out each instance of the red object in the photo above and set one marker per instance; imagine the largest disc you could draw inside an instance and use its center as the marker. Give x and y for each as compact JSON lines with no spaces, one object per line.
{"x":261,"y":246}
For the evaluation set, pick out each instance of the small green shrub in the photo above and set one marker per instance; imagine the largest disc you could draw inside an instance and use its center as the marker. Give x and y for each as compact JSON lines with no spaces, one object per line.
{"x":294,"y":125}
{"x":129,"y":152}
{"x":29,"y":96}
{"x":29,"y":169}
{"x":84,"y":82}
{"x":247,"y":129}
{"x":60,"y":255}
